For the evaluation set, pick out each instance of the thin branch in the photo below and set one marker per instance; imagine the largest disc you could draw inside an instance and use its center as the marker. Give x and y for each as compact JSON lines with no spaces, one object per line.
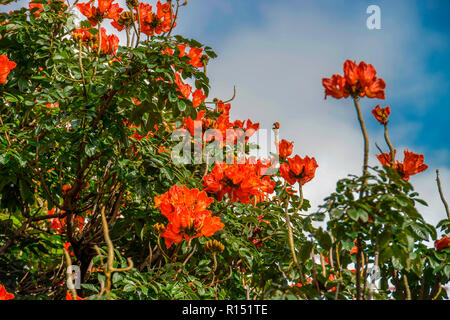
{"x":438,"y":181}
{"x":216,"y":101}
{"x":365,"y":135}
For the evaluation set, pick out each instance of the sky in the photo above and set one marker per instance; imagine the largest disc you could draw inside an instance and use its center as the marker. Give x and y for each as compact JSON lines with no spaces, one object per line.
{"x":277,"y":52}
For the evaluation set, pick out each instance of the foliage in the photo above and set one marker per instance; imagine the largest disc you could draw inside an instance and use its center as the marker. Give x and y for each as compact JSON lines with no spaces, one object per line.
{"x":85,"y":129}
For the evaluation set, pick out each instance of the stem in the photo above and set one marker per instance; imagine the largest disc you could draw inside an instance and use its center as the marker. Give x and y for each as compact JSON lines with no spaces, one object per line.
{"x":375,"y":271}
{"x":438,"y":181}
{"x":358,"y":270}
{"x":99,"y":40}
{"x":314,"y":271}
{"x":391,"y":148}
{"x":6,"y":132}
{"x":80,"y":62}
{"x":291,"y":240}
{"x":365,"y":135}
{"x":408,"y":292}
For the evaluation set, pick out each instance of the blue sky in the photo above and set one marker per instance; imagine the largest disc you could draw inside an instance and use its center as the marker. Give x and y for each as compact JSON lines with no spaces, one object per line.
{"x":277,"y":52}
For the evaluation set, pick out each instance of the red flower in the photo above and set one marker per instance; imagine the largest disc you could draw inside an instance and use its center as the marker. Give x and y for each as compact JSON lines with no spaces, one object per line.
{"x":5,"y":67}
{"x":442,"y":244}
{"x":104,"y":5}
{"x":335,"y":87}
{"x":285,"y":149}
{"x":354,"y":250}
{"x":109,"y":44}
{"x":359,"y":80}
{"x":89,"y":11}
{"x":412,"y":163}
{"x":69,"y":297}
{"x":186,"y":211}
{"x":106,"y":9}
{"x":67,"y":245}
{"x":82,"y":34}
{"x":185,"y":89}
{"x":298,"y":170}
{"x":40,"y":7}
{"x":198,"y":97}
{"x":381,"y":114}
{"x":195,"y":54}
{"x":5,"y":295}
{"x":155,"y":23}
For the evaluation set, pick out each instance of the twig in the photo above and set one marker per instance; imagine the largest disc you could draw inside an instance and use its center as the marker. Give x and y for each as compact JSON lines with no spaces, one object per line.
{"x":438,"y":181}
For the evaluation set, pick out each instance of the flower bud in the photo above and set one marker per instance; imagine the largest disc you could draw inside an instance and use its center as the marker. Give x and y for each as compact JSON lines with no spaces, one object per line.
{"x":214,"y":247}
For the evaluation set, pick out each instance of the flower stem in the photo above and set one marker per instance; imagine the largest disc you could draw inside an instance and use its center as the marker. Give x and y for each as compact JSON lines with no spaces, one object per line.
{"x":291,"y":240}
{"x":391,"y":148}
{"x":365,"y":135}
{"x":438,"y":181}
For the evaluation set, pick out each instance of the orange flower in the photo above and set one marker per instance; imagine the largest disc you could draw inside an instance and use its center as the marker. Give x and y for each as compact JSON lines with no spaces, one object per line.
{"x":354,"y":250}
{"x":195,"y":54}
{"x":162,"y":149}
{"x":67,"y":245}
{"x":186,"y":211}
{"x":52,"y":105}
{"x":40,"y":7}
{"x":106,"y":9}
{"x":5,"y":67}
{"x":185,"y":89}
{"x":359,"y":80}
{"x":381,"y":114}
{"x":335,"y":87}
{"x":198,"y":97}
{"x":442,"y":244}
{"x":82,"y":34}
{"x":5,"y":295}
{"x":69,"y":297}
{"x":412,"y":163}
{"x":155,"y":23}
{"x":285,"y":149}
{"x":298,"y":170}
{"x":109,"y":43}
{"x":66,"y":188}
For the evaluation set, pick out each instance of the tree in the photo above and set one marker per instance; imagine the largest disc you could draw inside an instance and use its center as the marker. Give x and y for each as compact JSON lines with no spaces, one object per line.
{"x":87,"y":176}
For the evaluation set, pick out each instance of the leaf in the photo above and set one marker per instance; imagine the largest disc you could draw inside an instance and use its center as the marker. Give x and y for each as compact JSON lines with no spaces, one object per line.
{"x":129,"y":287}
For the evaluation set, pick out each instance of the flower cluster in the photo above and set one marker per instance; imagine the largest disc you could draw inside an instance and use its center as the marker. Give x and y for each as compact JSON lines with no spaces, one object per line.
{"x":155,"y":23}
{"x":358,"y":81}
{"x":186,"y":211}
{"x":105,"y":9}
{"x":108,"y":43}
{"x":412,"y":163}
{"x":240,"y":181}
{"x":58,"y":224}
{"x":222,"y":125}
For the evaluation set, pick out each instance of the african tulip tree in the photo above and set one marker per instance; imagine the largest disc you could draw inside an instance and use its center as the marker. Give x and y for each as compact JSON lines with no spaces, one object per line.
{"x":88,"y":179}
